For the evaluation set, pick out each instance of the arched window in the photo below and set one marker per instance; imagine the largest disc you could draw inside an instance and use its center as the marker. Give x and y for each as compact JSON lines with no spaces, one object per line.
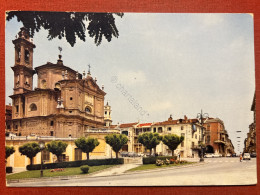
{"x":27,"y":56}
{"x":43,"y":82}
{"x":57,"y":85}
{"x":88,"y":109}
{"x":33,"y":107}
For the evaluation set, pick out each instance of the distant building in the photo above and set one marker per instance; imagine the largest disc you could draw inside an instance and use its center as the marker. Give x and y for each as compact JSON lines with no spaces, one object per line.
{"x":250,"y":141}
{"x":189,"y":128}
{"x":216,"y":137}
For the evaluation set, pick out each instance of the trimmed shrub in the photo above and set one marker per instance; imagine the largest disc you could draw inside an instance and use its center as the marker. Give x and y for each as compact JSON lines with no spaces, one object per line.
{"x":93,"y":162}
{"x":84,"y":168}
{"x":9,"y":169}
{"x":152,"y":159}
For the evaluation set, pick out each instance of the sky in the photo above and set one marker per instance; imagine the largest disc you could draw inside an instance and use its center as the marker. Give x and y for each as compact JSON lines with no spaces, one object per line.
{"x":163,"y":64}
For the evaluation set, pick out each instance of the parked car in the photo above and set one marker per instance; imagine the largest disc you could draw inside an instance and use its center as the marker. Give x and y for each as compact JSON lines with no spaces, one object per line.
{"x":140,"y":154}
{"x":124,"y":154}
{"x":234,"y":155}
{"x":217,"y":155}
{"x":147,"y":154}
{"x":209,"y":155}
{"x":253,"y":155}
{"x":228,"y":155}
{"x":132,"y":154}
{"x":246,"y":156}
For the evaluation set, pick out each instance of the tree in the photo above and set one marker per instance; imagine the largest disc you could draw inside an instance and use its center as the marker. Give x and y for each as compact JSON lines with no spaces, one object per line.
{"x":87,"y":145}
{"x":9,"y":150}
{"x":149,"y":140}
{"x":172,"y":141}
{"x":30,"y":150}
{"x":116,"y":141}
{"x":57,"y":148}
{"x":69,"y":24}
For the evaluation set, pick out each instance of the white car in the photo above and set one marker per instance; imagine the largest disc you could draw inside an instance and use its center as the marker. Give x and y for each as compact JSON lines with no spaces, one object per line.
{"x":209,"y":155}
{"x":246,"y":156}
{"x":217,"y":155}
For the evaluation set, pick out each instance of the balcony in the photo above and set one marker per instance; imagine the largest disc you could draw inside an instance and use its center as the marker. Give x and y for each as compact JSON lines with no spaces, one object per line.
{"x":220,"y":142}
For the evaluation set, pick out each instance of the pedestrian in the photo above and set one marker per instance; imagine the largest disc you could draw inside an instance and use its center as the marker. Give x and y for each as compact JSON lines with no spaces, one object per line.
{"x":240,"y":157}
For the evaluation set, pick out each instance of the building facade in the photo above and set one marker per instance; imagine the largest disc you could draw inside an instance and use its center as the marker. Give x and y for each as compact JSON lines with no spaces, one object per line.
{"x":64,"y":103}
{"x":216,"y":137}
{"x":250,"y":141}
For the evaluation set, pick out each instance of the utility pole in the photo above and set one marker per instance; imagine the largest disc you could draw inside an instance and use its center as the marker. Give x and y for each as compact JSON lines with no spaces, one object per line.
{"x":200,"y":116}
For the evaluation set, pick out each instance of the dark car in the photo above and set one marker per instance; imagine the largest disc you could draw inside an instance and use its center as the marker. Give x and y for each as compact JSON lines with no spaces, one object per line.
{"x":253,"y":155}
{"x":234,"y":155}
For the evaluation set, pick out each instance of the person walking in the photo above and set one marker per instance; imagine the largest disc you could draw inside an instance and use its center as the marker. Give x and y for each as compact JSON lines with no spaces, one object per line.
{"x":240,"y":157}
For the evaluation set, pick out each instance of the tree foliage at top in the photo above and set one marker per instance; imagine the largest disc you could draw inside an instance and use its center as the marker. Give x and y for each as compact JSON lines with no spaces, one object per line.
{"x":9,"y":150}
{"x":69,"y":24}
{"x":150,"y":140}
{"x":30,"y":150}
{"x":87,"y":145}
{"x":172,"y":141}
{"x":57,"y":148}
{"x":116,"y":141}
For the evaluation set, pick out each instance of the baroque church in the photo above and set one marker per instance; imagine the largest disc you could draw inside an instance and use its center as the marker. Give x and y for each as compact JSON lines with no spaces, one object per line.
{"x":65,"y":103}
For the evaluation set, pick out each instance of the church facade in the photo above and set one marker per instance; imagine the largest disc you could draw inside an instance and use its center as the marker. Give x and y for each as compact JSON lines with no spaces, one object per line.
{"x":65,"y":103}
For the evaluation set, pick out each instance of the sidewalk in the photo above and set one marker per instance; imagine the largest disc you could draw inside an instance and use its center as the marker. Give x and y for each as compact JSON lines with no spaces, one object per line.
{"x":120,"y":169}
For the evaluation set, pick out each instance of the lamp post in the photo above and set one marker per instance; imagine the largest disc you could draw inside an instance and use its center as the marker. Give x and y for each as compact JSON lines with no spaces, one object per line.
{"x":42,"y":146}
{"x":200,"y":116}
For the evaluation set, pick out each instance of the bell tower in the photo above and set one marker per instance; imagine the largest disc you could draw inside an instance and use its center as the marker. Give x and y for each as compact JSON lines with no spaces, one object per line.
{"x":107,"y":115}
{"x":23,"y":65}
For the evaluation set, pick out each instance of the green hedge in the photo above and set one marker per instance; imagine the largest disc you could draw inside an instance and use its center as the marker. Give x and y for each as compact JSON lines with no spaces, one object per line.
{"x":94,"y":162}
{"x":152,"y":159}
{"x":9,"y":169}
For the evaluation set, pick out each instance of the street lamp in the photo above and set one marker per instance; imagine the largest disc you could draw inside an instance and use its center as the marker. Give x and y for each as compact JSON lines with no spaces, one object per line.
{"x":201,"y":116}
{"x":42,"y":146}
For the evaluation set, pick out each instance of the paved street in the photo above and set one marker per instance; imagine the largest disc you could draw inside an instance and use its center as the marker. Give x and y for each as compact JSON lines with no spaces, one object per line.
{"x":215,"y":171}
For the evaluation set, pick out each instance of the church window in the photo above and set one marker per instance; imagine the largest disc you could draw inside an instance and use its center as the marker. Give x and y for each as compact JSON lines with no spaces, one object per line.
{"x":33,"y":107}
{"x":88,"y":109}
{"x":52,"y":123}
{"x":70,"y":111}
{"x":51,"y":133}
{"x":154,"y":129}
{"x":18,"y":54}
{"x":71,"y":98}
{"x":169,"y":128}
{"x":105,"y":112}
{"x":57,"y":85}
{"x":160,"y":130}
{"x":26,"y":56}
{"x":181,"y":127}
{"x":43,"y":82}
{"x":17,"y":108}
